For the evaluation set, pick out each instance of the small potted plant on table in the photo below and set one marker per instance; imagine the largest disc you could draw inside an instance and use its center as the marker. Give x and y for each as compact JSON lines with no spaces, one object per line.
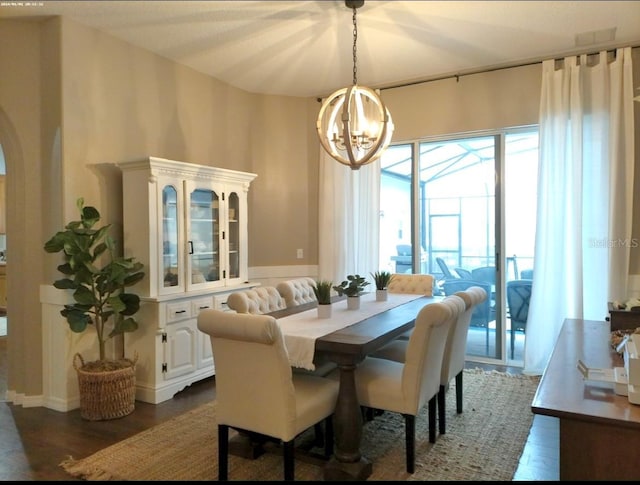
{"x":322,"y":290}
{"x":381,"y":280}
{"x":352,"y":287}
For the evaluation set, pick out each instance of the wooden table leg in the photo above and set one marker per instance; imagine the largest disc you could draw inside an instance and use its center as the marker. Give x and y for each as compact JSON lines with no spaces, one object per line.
{"x":347,"y":463}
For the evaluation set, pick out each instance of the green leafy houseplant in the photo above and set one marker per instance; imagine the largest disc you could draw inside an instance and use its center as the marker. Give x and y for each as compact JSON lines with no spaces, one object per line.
{"x":354,"y":285}
{"x":97,"y":277}
{"x":381,"y":279}
{"x":322,"y":290}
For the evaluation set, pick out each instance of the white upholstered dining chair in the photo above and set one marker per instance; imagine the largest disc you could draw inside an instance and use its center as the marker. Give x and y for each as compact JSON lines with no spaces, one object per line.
{"x":267,"y":299}
{"x":413,"y":284}
{"x":455,"y":350}
{"x":255,"y":388}
{"x":405,"y":387}
{"x":260,"y":300}
{"x":297,"y":291}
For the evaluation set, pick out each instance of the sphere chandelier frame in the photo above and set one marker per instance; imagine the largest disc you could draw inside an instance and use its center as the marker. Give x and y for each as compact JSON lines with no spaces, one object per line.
{"x":354,"y":126}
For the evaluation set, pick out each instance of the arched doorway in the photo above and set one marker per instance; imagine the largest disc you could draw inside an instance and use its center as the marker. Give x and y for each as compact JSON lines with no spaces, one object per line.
{"x":4,"y":360}
{"x":13,"y":171}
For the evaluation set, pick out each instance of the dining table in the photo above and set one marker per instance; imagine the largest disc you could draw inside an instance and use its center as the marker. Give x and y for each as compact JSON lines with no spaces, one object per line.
{"x":346,"y":339}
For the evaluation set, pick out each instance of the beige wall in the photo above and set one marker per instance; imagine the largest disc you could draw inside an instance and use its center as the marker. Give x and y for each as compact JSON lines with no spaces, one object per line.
{"x":283,"y":198}
{"x":508,"y":97}
{"x":122,"y":103}
{"x":21,"y":136}
{"x":74,"y":100}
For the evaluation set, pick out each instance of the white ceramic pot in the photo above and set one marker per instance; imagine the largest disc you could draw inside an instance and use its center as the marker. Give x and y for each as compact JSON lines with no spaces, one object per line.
{"x":382,"y":295}
{"x":353,"y":302}
{"x":324,"y":311}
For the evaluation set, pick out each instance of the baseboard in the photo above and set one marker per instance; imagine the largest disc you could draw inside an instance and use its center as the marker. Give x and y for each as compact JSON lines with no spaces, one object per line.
{"x":25,"y":401}
{"x":62,"y":405}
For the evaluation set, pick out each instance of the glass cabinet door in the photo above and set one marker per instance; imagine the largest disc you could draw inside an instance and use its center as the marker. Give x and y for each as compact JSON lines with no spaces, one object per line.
{"x":204,"y":250}
{"x":234,"y":235}
{"x":171,"y":264}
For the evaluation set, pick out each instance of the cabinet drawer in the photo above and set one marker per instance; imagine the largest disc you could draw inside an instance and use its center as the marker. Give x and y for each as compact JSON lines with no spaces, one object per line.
{"x":220,"y":303}
{"x":201,"y":304}
{"x":178,"y":311}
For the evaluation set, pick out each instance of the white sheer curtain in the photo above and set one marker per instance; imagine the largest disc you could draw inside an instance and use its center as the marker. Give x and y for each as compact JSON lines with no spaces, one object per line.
{"x":585,"y":196}
{"x":348,"y":218}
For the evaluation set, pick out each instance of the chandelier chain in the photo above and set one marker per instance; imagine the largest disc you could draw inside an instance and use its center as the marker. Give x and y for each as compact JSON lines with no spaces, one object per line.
{"x":355,"y":54}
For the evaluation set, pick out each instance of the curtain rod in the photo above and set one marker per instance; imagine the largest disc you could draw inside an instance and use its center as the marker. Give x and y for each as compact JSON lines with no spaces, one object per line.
{"x":498,"y":68}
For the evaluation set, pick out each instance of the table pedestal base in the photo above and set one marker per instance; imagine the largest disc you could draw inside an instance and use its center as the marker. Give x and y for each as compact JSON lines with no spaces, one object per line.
{"x":335,"y":470}
{"x":347,"y":463}
{"x":247,"y":445}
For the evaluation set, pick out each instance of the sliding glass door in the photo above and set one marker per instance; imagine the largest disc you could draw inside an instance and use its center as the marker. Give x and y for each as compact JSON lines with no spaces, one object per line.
{"x":520,"y":201}
{"x":459,"y":188}
{"x":444,"y":212}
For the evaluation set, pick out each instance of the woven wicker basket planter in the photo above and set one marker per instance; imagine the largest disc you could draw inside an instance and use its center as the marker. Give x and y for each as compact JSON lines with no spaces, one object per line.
{"x":106,"y":394}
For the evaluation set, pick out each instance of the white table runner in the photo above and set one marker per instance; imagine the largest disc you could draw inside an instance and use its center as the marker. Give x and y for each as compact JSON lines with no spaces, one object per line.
{"x":301,"y":330}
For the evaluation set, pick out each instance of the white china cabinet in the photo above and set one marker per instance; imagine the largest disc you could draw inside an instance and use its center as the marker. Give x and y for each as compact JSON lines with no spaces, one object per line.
{"x":187,"y":224}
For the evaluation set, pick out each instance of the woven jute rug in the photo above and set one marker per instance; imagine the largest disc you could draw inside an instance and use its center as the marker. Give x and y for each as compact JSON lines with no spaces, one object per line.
{"x":483,"y":443}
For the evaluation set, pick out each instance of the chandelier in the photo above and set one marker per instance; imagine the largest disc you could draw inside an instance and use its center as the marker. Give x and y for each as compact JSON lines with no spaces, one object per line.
{"x":354,"y":125}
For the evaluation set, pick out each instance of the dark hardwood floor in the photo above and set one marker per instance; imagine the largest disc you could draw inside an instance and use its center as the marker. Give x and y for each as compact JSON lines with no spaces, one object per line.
{"x":33,"y":441}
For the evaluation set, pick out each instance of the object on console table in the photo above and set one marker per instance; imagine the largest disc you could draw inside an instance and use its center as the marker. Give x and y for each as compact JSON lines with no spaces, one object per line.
{"x":621,"y":319}
{"x":594,"y":421}
{"x":619,"y":337}
{"x":626,"y":380}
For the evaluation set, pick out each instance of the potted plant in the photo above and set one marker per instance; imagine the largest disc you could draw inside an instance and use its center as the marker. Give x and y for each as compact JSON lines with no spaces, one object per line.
{"x":381,"y":279}
{"x":352,"y":287}
{"x":98,"y":278}
{"x":322,"y":290}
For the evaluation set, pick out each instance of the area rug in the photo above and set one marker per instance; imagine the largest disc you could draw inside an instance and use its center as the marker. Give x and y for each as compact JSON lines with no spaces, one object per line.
{"x":482,"y":443}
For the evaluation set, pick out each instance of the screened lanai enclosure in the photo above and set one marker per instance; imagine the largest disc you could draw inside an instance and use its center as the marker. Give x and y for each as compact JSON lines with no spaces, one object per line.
{"x":464,"y":209}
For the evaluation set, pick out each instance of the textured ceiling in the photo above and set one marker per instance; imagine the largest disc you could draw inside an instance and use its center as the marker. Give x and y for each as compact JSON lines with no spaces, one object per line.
{"x":304,"y":48}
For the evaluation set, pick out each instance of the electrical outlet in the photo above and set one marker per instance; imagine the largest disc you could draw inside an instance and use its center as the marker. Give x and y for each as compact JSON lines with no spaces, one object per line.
{"x":300,"y":254}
